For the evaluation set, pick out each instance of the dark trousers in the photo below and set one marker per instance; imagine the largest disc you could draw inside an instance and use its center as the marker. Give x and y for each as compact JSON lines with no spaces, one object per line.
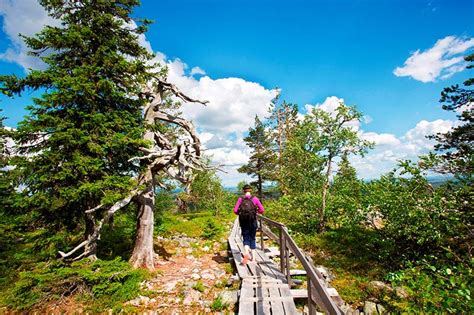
{"x":249,"y":230}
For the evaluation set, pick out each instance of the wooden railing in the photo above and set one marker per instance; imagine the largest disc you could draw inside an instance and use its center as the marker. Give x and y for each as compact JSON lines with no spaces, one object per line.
{"x":317,"y":293}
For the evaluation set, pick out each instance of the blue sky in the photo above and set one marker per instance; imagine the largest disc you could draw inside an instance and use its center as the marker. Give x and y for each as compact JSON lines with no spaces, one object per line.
{"x":312,"y":50}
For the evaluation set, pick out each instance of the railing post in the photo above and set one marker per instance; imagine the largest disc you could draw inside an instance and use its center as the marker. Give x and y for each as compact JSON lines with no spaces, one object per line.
{"x":310,"y":296}
{"x":287,"y":263}
{"x":262,"y":245}
{"x":282,"y":251}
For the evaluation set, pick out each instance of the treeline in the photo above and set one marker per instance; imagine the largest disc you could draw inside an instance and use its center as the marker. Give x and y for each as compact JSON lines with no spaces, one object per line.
{"x":421,"y":235}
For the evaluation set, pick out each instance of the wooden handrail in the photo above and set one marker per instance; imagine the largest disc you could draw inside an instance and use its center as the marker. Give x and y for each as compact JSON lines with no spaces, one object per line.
{"x":317,"y":292}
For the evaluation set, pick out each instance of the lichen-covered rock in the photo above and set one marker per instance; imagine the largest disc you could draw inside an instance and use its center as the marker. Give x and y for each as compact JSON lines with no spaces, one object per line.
{"x":370,"y":308}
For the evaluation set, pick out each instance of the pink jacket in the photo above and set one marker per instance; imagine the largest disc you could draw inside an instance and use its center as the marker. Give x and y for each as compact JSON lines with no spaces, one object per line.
{"x":255,"y":202}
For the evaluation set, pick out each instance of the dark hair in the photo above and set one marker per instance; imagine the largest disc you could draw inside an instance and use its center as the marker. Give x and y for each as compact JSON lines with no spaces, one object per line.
{"x":247,"y":187}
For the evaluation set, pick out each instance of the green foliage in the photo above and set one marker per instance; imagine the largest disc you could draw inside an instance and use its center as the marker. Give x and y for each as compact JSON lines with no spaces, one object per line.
{"x":455,"y":147}
{"x":212,"y":229}
{"x":206,"y":192}
{"x":104,"y":283}
{"x":345,"y":200}
{"x":218,"y":305}
{"x":434,"y":285}
{"x":196,"y":224}
{"x":199,"y":286}
{"x":261,"y":164}
{"x":80,"y":133}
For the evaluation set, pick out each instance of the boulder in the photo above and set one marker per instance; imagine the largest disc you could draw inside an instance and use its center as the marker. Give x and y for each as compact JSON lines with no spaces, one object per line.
{"x":229,"y":297}
{"x":370,"y":308}
{"x":381,"y":309}
{"x":401,"y":293}
{"x":191,"y":297}
{"x":379,"y":286}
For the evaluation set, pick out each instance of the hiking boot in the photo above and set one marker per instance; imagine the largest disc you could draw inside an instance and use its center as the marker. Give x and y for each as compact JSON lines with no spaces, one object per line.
{"x":245,"y":260}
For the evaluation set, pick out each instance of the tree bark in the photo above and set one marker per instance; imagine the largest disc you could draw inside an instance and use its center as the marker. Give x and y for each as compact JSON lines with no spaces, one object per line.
{"x":322,"y":217}
{"x":90,"y":249}
{"x":143,"y":254}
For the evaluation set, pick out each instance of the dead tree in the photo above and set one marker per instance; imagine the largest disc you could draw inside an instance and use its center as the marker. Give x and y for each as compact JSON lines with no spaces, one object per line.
{"x":177,"y":159}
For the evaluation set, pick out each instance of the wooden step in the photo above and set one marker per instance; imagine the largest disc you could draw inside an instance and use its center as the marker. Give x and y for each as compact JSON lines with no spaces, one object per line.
{"x":297,"y":272}
{"x":299,"y":293}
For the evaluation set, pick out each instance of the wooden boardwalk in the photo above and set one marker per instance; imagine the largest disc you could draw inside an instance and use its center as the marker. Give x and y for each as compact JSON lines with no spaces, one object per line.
{"x":264,"y":289}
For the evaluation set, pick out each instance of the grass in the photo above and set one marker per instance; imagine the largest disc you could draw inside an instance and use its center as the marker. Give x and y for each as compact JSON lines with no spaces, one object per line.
{"x":350,"y":256}
{"x":200,"y":224}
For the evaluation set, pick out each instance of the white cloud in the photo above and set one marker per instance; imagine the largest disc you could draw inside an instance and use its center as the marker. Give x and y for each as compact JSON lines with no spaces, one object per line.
{"x":233,"y":102}
{"x":440,"y":61}
{"x":25,"y":17}
{"x":380,"y":139}
{"x":389,"y":149}
{"x":197,"y":70}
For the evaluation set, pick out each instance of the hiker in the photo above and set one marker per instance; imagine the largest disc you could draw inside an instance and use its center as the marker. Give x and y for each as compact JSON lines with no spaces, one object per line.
{"x":247,"y":208}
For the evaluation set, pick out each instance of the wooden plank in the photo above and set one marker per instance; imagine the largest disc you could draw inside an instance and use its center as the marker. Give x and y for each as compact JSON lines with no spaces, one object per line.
{"x":299,"y":293}
{"x":269,"y":299}
{"x":246,"y":307}
{"x":236,"y":254}
{"x":276,"y":306}
{"x":297,"y":272}
{"x":263,"y":305}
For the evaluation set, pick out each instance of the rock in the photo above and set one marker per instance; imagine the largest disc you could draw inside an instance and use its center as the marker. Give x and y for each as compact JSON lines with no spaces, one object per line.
{"x":140,"y":300}
{"x":196,"y":270}
{"x":195,"y":276}
{"x":208,"y":276}
{"x":401,"y":293}
{"x":184,"y":270}
{"x":229,"y":297}
{"x":168,"y":287}
{"x":381,"y":309}
{"x":191,"y":297}
{"x":379,"y":286}
{"x":219,"y":273}
{"x":370,"y":308}
{"x":205,"y":249}
{"x":325,"y":273}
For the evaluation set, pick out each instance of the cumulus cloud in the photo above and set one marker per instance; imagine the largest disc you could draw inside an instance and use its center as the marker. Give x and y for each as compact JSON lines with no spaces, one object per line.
{"x":233,"y":102}
{"x":442,"y":60}
{"x":25,"y":17}
{"x":389,"y":149}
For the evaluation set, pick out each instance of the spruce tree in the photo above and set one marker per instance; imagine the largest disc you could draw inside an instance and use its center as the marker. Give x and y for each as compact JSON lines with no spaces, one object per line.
{"x":262,"y":161}
{"x":81,"y":132}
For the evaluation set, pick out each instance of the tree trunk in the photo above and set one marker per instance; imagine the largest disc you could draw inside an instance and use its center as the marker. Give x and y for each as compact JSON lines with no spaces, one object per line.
{"x":259,"y":186}
{"x":90,"y":249}
{"x":143,"y":254}
{"x":322,"y":217}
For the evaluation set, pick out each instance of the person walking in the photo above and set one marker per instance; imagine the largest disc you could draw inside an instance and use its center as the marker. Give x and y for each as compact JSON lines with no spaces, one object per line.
{"x":247,"y":208}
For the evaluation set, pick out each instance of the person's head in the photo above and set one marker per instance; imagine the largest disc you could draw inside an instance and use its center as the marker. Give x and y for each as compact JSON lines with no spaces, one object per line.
{"x":247,"y":189}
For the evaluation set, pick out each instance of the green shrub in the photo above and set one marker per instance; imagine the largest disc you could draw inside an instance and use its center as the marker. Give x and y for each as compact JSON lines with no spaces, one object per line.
{"x":104,"y":284}
{"x":199,"y":286}
{"x":218,"y":304}
{"x":435,"y":286}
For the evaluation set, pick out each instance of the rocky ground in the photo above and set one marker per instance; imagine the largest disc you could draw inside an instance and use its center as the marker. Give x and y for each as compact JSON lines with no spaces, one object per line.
{"x":194,"y":277}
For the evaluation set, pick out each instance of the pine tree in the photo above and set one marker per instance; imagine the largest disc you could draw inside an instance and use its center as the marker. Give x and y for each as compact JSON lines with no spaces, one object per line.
{"x":262,"y":161}
{"x":282,"y":121}
{"x":80,"y":134}
{"x":346,"y":194}
{"x":456,"y":146}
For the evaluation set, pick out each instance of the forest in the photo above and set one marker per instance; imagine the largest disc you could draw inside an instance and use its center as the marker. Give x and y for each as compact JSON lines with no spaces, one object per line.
{"x":104,"y":181}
